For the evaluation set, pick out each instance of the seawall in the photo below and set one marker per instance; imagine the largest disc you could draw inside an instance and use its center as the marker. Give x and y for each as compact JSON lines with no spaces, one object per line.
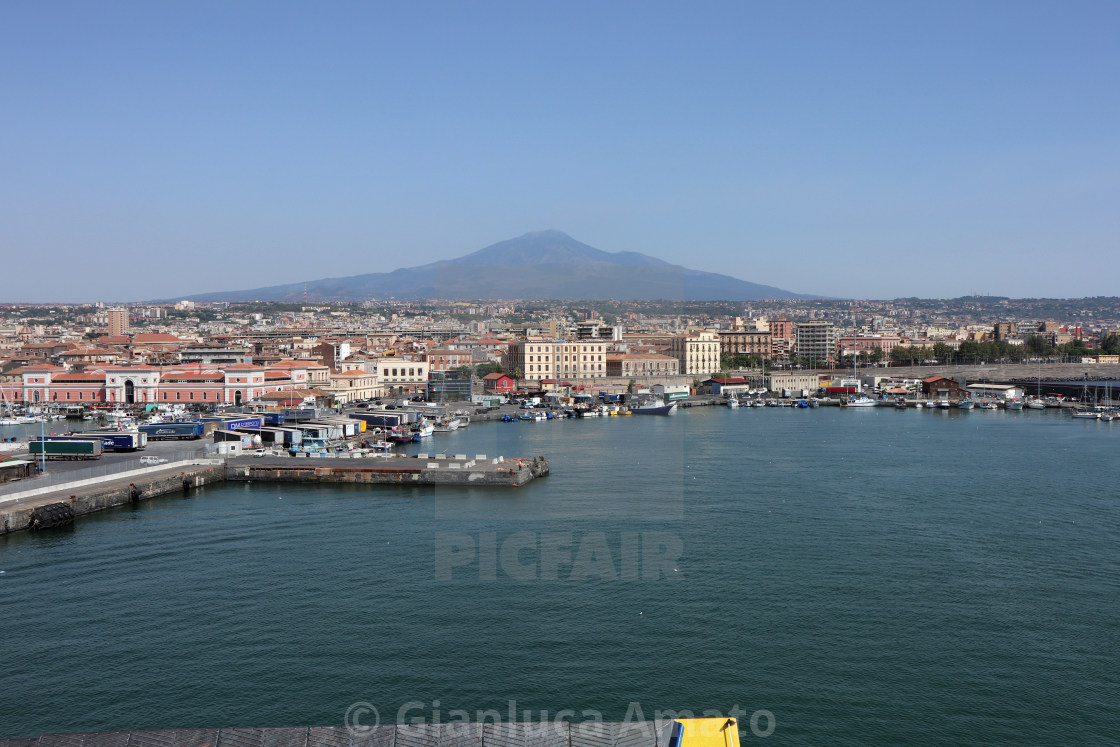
{"x":545,"y":734}
{"x":67,"y":501}
{"x":87,"y":498}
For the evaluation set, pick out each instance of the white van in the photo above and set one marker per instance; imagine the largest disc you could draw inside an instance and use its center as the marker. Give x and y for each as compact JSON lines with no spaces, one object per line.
{"x":150,"y":460}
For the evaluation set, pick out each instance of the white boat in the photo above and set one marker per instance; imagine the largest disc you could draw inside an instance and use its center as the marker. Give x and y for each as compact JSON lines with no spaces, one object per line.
{"x":1035,"y":404}
{"x":965,"y":404}
{"x":654,"y":406}
{"x":861,"y":401}
{"x":986,"y":405}
{"x":732,"y":401}
{"x":1014,"y":403}
{"x":1086,"y":414}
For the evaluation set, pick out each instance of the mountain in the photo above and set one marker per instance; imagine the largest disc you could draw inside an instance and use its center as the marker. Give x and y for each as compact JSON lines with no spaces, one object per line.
{"x":540,"y":265}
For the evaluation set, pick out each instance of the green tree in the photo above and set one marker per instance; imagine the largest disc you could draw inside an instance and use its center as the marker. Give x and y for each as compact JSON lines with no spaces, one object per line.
{"x":482,"y":369}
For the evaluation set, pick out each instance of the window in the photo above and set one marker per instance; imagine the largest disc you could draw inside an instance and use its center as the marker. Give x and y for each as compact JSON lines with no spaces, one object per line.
{"x":178,"y":395}
{"x":165,"y":395}
{"x":68,"y":395}
{"x":204,"y":396}
{"x":192,"y":395}
{"x":81,"y":395}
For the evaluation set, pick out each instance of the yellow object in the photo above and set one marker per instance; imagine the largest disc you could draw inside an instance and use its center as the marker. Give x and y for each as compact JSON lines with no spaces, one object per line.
{"x":707,"y":732}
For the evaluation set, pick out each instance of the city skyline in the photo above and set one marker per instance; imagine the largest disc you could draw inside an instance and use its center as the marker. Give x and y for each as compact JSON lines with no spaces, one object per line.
{"x":871,"y":151}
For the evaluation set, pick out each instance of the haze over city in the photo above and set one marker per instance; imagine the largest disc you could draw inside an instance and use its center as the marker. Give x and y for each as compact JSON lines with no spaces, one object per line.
{"x":872,"y":150}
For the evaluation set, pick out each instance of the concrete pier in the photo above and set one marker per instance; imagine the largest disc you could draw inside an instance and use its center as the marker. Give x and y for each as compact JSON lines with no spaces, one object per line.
{"x":83,"y":497}
{"x":45,"y":508}
{"x":547,"y":734}
{"x":393,"y":469}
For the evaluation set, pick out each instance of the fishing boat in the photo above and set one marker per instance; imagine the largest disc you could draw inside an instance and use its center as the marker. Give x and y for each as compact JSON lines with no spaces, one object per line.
{"x":987,"y":405}
{"x":653,"y":406}
{"x":447,"y":424}
{"x":861,"y":401}
{"x":965,"y":404}
{"x":382,"y":445}
{"x":732,"y":401}
{"x":1014,"y":403}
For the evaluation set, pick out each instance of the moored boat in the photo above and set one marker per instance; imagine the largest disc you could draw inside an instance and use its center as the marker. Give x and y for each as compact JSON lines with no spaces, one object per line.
{"x":653,"y":406}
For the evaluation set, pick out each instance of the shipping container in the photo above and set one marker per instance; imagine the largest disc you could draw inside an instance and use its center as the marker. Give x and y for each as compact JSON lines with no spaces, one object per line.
{"x":299,"y":414}
{"x":382,"y":418}
{"x":239,"y":423}
{"x":110,"y":440}
{"x":293,"y":436}
{"x":84,"y":448}
{"x":172,"y":431}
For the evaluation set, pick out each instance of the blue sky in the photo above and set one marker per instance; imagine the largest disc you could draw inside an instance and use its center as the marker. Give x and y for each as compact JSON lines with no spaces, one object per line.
{"x":850,"y":149}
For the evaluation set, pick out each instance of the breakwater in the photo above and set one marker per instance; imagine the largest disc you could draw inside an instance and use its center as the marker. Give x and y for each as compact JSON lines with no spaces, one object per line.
{"x":422,"y":469}
{"x":537,"y":734}
{"x":67,"y":501}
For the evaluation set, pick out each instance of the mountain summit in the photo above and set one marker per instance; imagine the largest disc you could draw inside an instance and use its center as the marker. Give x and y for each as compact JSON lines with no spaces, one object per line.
{"x":551,"y":248}
{"x":541,"y":264}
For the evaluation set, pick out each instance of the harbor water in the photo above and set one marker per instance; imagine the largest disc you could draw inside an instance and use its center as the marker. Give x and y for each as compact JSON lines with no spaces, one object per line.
{"x":865,"y":575}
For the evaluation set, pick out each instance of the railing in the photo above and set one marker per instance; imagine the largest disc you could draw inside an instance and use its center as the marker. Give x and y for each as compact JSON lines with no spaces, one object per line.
{"x":63,"y":477}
